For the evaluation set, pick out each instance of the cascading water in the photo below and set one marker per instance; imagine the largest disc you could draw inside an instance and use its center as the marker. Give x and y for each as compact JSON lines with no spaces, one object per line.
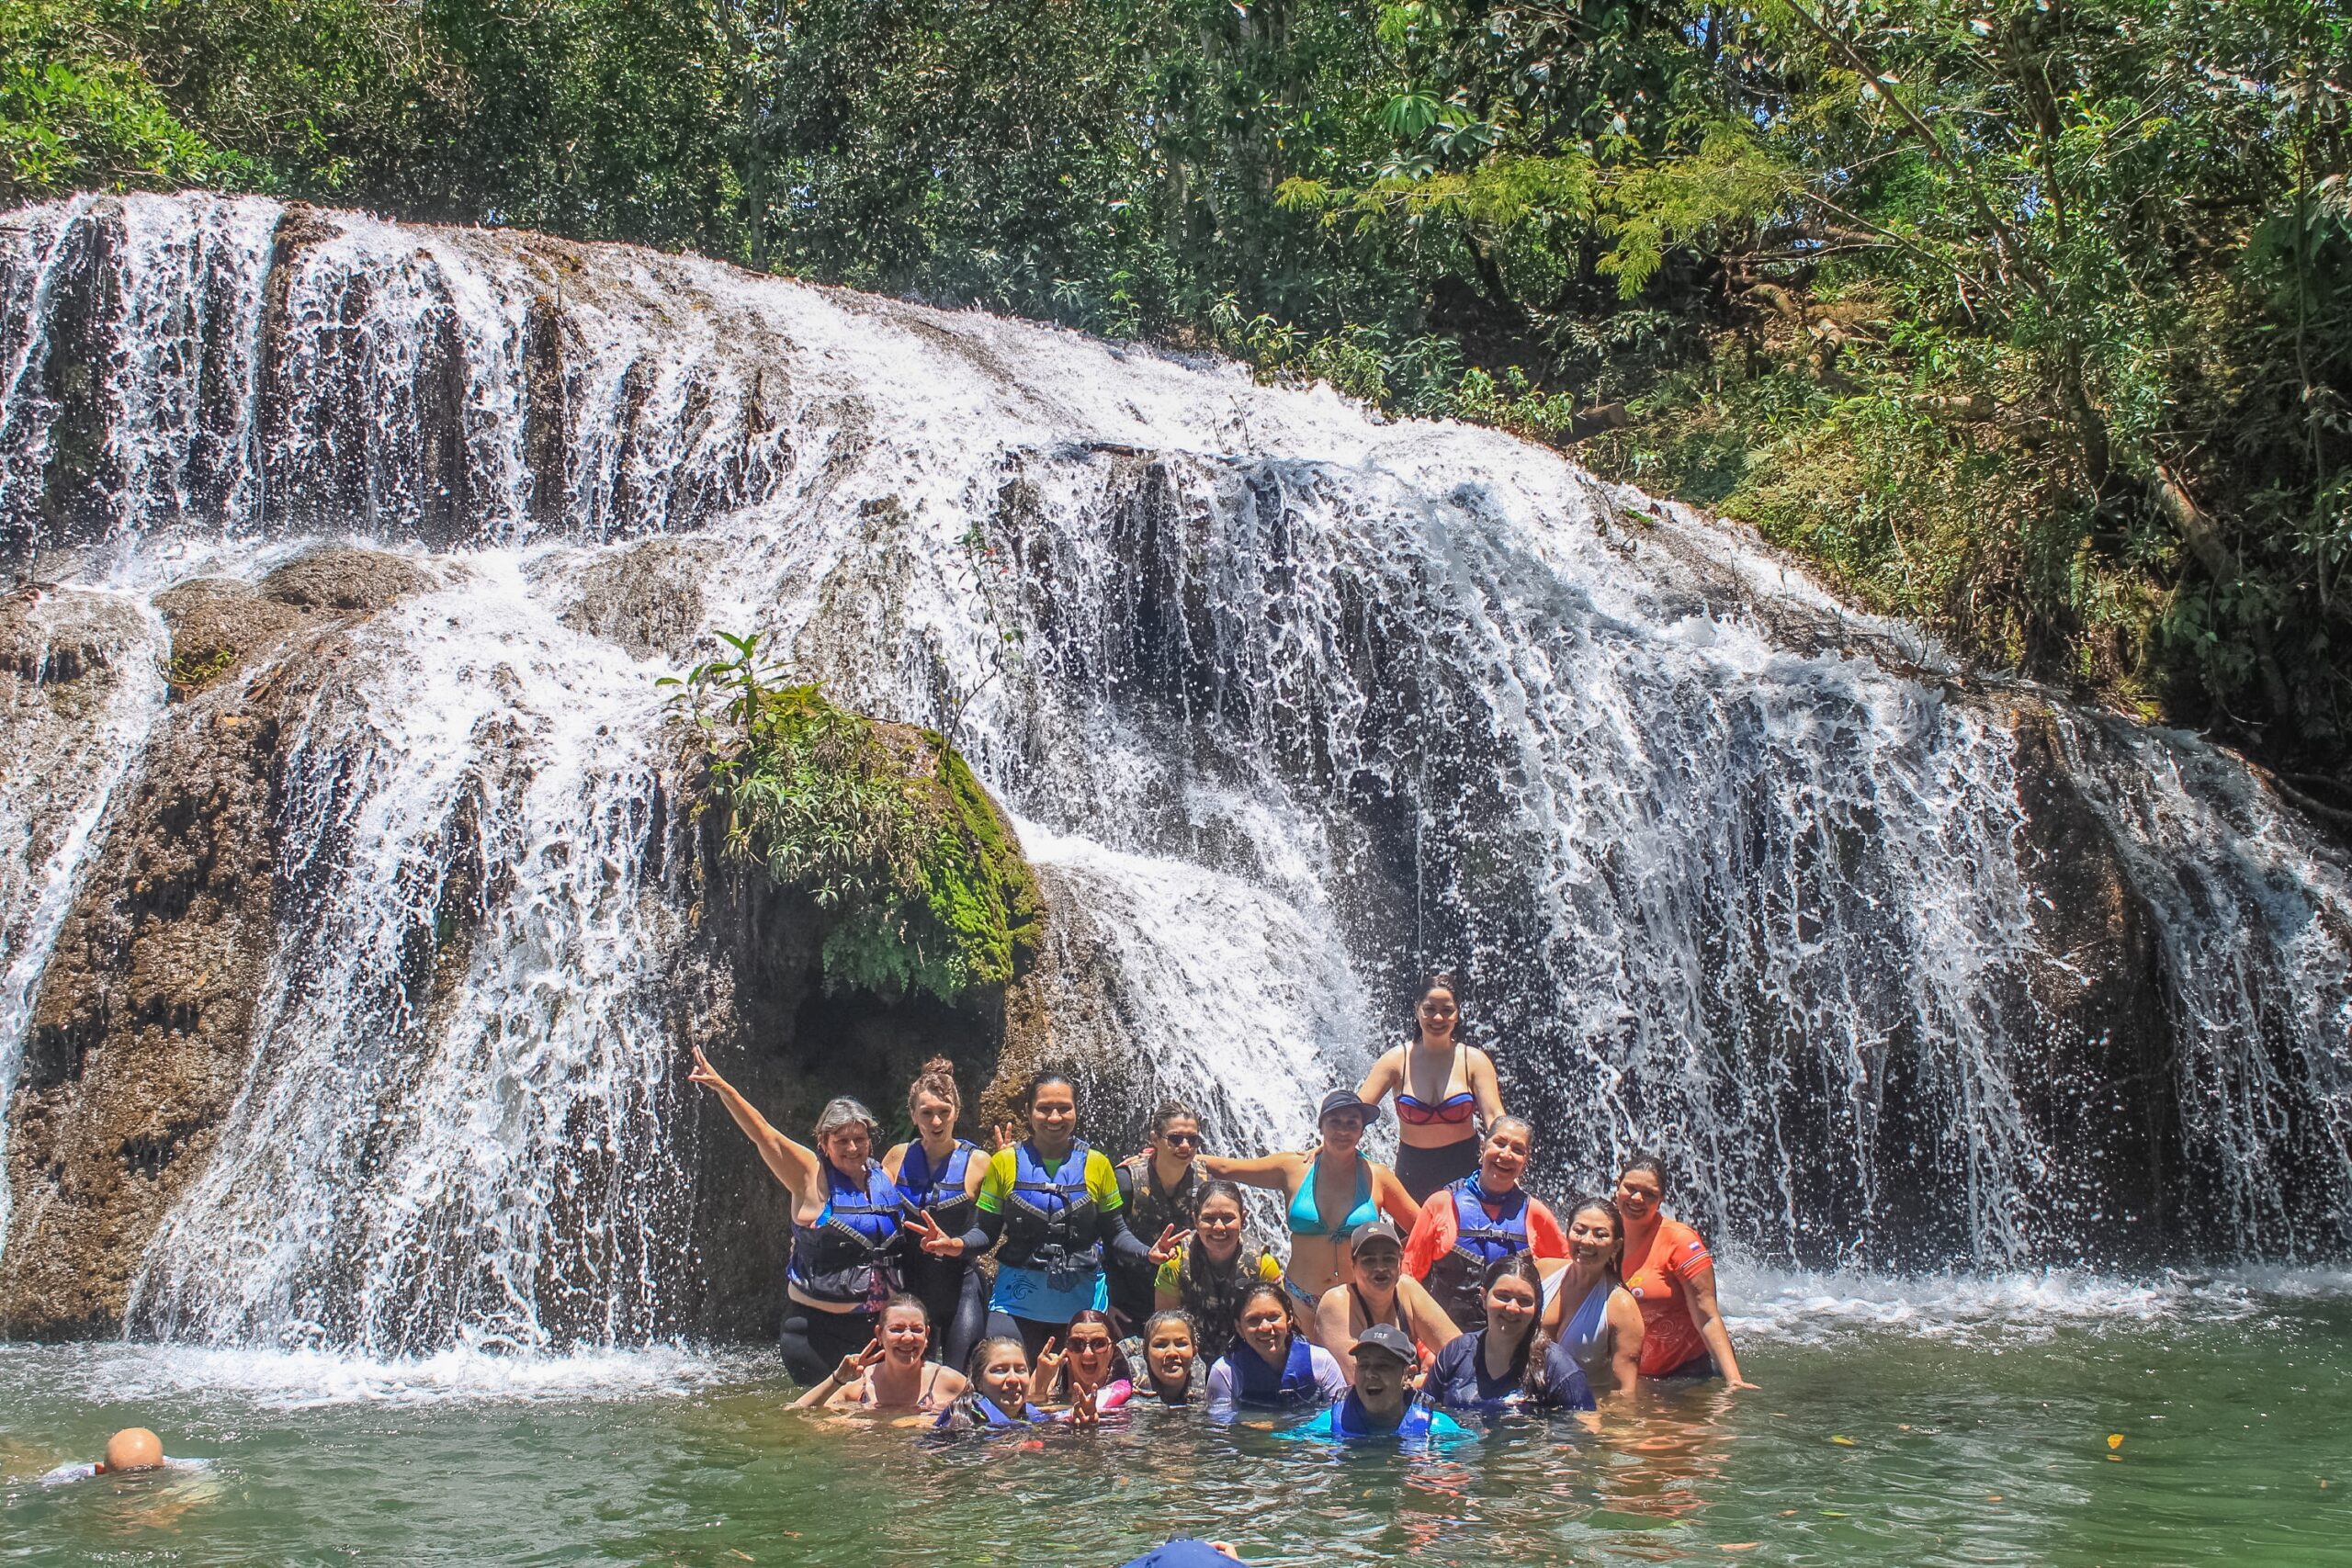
{"x":1290,"y":701}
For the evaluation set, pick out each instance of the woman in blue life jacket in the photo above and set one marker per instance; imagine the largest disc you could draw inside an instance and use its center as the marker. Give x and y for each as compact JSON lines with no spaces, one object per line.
{"x":1381,"y":1407}
{"x":1055,"y":1204}
{"x":1271,"y":1365}
{"x":1509,"y":1364}
{"x":938,"y":1174}
{"x":997,"y":1393}
{"x":846,"y":1230}
{"x":1466,"y":1228}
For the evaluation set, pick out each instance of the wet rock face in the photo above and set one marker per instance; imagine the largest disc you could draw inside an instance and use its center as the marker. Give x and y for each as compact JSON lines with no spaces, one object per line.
{"x":140,"y":1031}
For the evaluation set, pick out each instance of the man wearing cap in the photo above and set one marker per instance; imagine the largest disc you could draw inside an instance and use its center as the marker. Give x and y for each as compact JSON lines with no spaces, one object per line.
{"x":1381,"y":1406}
{"x":1381,"y":1292}
{"x":1331,"y":1190}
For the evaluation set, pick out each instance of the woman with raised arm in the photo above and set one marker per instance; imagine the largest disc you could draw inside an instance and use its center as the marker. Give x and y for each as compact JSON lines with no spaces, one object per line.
{"x":938,"y":1174}
{"x":1511,"y":1364}
{"x":1161,"y":1186}
{"x":1332,"y":1188}
{"x":845,"y":1235}
{"x":1216,"y":1263}
{"x":1090,"y":1363}
{"x":1381,"y":1292}
{"x":1443,"y":1088}
{"x":1270,"y":1366}
{"x":1586,"y":1305}
{"x":891,"y":1373}
{"x":1056,"y":1205}
{"x":1670,"y":1273}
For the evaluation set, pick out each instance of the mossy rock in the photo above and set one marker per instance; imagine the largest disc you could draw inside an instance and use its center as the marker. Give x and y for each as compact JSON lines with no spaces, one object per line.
{"x":917,"y":873}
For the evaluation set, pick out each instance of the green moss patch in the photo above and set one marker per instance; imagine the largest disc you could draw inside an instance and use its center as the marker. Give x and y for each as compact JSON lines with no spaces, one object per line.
{"x":918,"y":875}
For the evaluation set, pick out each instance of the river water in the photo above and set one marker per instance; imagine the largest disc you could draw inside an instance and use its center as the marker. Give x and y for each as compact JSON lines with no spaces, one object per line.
{"x":1932,"y":1421}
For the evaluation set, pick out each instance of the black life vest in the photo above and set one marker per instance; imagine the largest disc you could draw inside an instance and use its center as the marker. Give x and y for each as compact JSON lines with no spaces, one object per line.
{"x":1049,"y":1220}
{"x":1454,"y":1278}
{"x":847,"y":1257}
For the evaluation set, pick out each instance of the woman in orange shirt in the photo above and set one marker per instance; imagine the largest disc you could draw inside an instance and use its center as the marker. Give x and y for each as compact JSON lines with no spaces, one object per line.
{"x":1671,"y":1276}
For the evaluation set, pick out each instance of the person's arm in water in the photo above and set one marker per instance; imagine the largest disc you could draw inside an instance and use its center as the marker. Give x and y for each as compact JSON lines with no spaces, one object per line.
{"x":1625,"y":1340}
{"x":795,"y":1164}
{"x":1699,"y":1289}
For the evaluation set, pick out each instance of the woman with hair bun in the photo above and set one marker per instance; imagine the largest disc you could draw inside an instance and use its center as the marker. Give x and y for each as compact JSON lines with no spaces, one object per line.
{"x":1056,"y":1205}
{"x":1444,"y":1088}
{"x":938,"y":1174}
{"x":845,"y":1232}
{"x":1161,"y":1187}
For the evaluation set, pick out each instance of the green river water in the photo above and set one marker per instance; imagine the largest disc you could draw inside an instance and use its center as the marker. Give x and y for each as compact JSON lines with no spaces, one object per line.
{"x":1899,"y":1423}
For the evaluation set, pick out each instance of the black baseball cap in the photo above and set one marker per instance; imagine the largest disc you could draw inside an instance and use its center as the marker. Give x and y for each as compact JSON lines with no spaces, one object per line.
{"x":1346,"y":1099}
{"x":1388,"y":1337}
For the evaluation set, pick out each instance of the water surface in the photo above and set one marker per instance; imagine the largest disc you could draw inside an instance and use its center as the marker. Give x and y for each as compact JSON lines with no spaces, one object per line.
{"x":1906,"y":1423}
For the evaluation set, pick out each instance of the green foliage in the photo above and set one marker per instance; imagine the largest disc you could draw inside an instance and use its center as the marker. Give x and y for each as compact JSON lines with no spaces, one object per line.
{"x":2032,"y":319}
{"x":921,"y":882}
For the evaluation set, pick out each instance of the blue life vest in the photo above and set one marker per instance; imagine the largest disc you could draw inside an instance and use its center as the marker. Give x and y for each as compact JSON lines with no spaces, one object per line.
{"x":990,"y":1411}
{"x":1478,"y":1243}
{"x":1254,"y":1383}
{"x":1049,"y":1220}
{"x":845,"y":1256}
{"x":939,"y":1193}
{"x":1348,"y":1421}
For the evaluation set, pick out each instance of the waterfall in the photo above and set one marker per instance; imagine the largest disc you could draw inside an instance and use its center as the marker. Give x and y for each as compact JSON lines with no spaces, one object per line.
{"x":1290,"y":701}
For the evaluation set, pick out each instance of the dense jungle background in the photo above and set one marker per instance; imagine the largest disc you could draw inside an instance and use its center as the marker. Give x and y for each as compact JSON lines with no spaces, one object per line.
{"x":2029,"y":319}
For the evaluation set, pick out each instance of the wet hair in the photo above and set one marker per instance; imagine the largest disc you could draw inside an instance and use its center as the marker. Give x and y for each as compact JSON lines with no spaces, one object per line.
{"x":1269,"y":1289}
{"x":938,"y":1080}
{"x":1615,"y":1270}
{"x":983,"y":1352}
{"x":1151,"y":1327}
{"x":1219,"y":1188}
{"x":1526,"y":1128}
{"x":1172,"y":1110}
{"x":1534,"y":1351}
{"x":840,"y":1115}
{"x":1046,"y":1079}
{"x":1654,"y":1164}
{"x":904,"y":1299}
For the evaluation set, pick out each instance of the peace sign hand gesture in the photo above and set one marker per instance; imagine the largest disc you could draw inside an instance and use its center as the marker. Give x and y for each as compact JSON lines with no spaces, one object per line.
{"x":1008,"y":1135}
{"x":1082,"y":1413}
{"x":852,"y":1368}
{"x":932,"y":1239}
{"x":1171,"y":1242}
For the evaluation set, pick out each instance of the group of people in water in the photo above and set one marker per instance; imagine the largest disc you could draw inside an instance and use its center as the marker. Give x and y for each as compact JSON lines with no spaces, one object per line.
{"x":1409,"y":1294}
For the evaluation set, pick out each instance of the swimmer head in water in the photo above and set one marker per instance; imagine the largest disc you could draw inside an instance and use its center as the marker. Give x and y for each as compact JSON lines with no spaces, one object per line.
{"x":134,"y":1448}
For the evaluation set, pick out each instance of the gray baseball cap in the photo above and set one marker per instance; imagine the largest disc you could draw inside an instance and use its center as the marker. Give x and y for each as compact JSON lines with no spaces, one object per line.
{"x":1381,"y":1229}
{"x":1388,"y":1337}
